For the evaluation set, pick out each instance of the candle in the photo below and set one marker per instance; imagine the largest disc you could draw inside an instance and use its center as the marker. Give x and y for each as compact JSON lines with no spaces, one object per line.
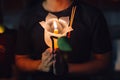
{"x":55,"y":32}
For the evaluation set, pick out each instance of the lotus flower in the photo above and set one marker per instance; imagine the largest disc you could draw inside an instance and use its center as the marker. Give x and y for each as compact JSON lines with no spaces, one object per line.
{"x":48,"y":25}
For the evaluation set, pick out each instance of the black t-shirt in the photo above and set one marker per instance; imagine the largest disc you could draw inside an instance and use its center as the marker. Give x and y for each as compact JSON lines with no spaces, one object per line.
{"x":90,"y":34}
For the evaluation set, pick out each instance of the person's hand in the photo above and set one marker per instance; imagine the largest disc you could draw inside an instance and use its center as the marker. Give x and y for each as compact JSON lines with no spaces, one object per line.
{"x":46,"y":60}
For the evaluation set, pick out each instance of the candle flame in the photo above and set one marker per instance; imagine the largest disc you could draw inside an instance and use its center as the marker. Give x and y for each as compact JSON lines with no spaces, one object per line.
{"x":55,"y":27}
{"x":55,"y":24}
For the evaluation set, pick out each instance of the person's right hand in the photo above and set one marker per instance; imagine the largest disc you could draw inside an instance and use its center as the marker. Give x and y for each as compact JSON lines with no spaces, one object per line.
{"x":46,"y":60}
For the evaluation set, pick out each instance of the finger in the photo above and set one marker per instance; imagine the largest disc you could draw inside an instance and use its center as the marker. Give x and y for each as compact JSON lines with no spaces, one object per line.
{"x":46,"y":57}
{"x":47,"y":51}
{"x":50,"y":50}
{"x":54,"y":55}
{"x":49,"y":59}
{"x":50,"y":63}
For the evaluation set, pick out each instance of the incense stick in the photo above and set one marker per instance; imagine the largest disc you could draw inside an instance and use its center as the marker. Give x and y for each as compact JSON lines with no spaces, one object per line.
{"x":72,"y":18}
{"x":72,"y":15}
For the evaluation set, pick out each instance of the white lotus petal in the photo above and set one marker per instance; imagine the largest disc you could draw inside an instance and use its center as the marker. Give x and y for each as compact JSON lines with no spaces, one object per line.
{"x":62,"y":26}
{"x":50,"y":16}
{"x":70,"y":29}
{"x":65,"y":19}
{"x":43,"y":24}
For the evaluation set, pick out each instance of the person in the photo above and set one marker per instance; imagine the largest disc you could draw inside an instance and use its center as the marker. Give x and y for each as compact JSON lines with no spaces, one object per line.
{"x":7,"y":46}
{"x":89,"y":39}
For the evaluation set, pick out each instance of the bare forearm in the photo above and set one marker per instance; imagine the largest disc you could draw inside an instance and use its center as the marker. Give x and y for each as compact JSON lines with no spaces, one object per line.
{"x":99,"y":63}
{"x":87,"y":68}
{"x":27,"y":64}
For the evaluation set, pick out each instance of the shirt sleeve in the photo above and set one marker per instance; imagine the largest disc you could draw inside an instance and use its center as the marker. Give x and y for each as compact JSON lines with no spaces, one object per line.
{"x":101,"y":40}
